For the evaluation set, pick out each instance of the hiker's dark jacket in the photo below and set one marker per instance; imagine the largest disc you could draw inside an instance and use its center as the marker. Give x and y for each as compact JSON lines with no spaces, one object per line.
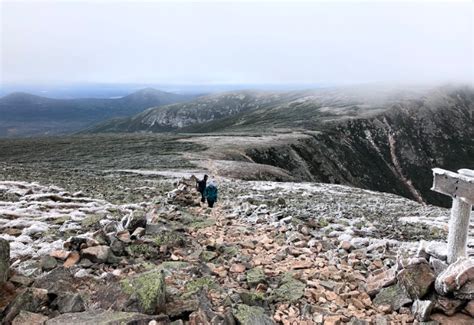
{"x":201,"y":186}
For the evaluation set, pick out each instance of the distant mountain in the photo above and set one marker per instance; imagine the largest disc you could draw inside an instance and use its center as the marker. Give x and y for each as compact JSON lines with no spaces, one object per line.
{"x":23,"y":114}
{"x":381,"y":139}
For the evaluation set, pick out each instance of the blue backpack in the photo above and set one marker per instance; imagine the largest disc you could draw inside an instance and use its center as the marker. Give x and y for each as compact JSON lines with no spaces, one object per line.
{"x":211,"y":192}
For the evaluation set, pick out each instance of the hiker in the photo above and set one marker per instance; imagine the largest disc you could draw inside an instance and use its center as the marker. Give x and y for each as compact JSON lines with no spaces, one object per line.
{"x":201,"y":187}
{"x":211,"y":193}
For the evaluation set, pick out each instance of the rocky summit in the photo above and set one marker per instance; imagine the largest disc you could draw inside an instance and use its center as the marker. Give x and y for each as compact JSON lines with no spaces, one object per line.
{"x":267,"y":253}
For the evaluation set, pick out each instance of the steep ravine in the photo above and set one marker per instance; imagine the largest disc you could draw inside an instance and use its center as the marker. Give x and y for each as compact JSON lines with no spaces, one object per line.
{"x":392,"y":152}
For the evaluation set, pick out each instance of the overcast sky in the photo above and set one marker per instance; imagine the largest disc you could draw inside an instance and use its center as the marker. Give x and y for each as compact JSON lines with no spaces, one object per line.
{"x":246,"y":42}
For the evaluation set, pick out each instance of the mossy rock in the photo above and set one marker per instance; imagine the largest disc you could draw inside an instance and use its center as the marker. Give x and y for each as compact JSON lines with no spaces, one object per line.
{"x":290,"y":289}
{"x":148,"y":289}
{"x":202,"y":224}
{"x":251,"y":315}
{"x":255,"y":276}
{"x":207,"y":256}
{"x":229,"y":251}
{"x":146,"y":250}
{"x":254,"y":298}
{"x":194,"y":286}
{"x":171,"y":239}
{"x":61,"y":220}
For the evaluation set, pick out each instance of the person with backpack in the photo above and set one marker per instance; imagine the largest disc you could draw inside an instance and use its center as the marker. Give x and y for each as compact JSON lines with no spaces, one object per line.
{"x":211,"y":193}
{"x":201,"y":187}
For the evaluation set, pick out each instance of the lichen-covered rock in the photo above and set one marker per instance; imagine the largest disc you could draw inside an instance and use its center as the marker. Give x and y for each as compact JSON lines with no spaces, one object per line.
{"x":32,"y":300}
{"x":100,"y":317}
{"x":416,"y":279}
{"x":251,"y":315}
{"x":455,"y":276}
{"x":137,"y":219}
{"x":4,"y":260}
{"x":48,"y":263}
{"x":421,"y":309}
{"x":69,"y":303}
{"x":255,"y":276}
{"x":290,"y":289}
{"x":26,"y":317}
{"x":147,"y":292}
{"x":395,"y":296}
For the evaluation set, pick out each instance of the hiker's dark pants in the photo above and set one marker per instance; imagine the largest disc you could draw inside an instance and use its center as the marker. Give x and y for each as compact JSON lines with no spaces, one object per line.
{"x":210,"y":202}
{"x":203,"y":199}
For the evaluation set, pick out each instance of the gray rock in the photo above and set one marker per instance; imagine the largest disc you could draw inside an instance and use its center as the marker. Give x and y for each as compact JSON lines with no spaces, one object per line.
{"x":69,"y":303}
{"x":416,"y":279}
{"x":455,"y":276}
{"x":138,"y":219}
{"x":100,"y":317}
{"x":447,"y":305}
{"x":4,"y":260}
{"x":395,"y":296}
{"x":26,"y":317}
{"x":47,"y":263}
{"x":32,"y":300}
{"x":437,"y":265}
{"x":466,"y":292}
{"x":97,"y":254}
{"x":421,"y":309}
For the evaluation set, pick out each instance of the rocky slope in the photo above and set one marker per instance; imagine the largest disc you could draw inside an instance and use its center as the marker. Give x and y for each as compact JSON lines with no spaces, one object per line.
{"x":268,"y":253}
{"x":22,"y":114}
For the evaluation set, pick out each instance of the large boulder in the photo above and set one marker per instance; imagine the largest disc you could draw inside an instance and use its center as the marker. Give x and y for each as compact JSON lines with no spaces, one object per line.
{"x":416,"y":279}
{"x":455,"y":276}
{"x":396,"y":296}
{"x":4,"y":260}
{"x":146,"y":291}
{"x":97,"y":254}
{"x":101,"y":317}
{"x":421,"y":309}
{"x":376,"y":282}
{"x":26,"y":317}
{"x":32,"y":300}
{"x":290,"y":289}
{"x":137,"y":219}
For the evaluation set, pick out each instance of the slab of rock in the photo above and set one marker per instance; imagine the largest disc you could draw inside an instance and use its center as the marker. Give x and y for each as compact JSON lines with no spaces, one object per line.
{"x":456,"y":319}
{"x":290,"y":289}
{"x":69,"y":303}
{"x":435,"y":249}
{"x":60,"y":254}
{"x":72,"y":259}
{"x":251,"y":315}
{"x":421,"y":309}
{"x":255,"y":276}
{"x":466,"y":292}
{"x":32,"y":300}
{"x":376,"y":282}
{"x":447,"y":305}
{"x":438,"y":265}
{"x":47,"y":263}
{"x":138,"y":219}
{"x":146,"y":291}
{"x":4,"y":260}
{"x":100,"y":317}
{"x":26,"y":317}
{"x":97,"y":254}
{"x":416,"y":279}
{"x":469,"y":309}
{"x":395,"y":296}
{"x":455,"y":276}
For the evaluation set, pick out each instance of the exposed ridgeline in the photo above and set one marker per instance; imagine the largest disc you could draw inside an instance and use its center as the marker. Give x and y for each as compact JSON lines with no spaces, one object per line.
{"x":385,"y":140}
{"x":391,"y":152}
{"x":23,"y":114}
